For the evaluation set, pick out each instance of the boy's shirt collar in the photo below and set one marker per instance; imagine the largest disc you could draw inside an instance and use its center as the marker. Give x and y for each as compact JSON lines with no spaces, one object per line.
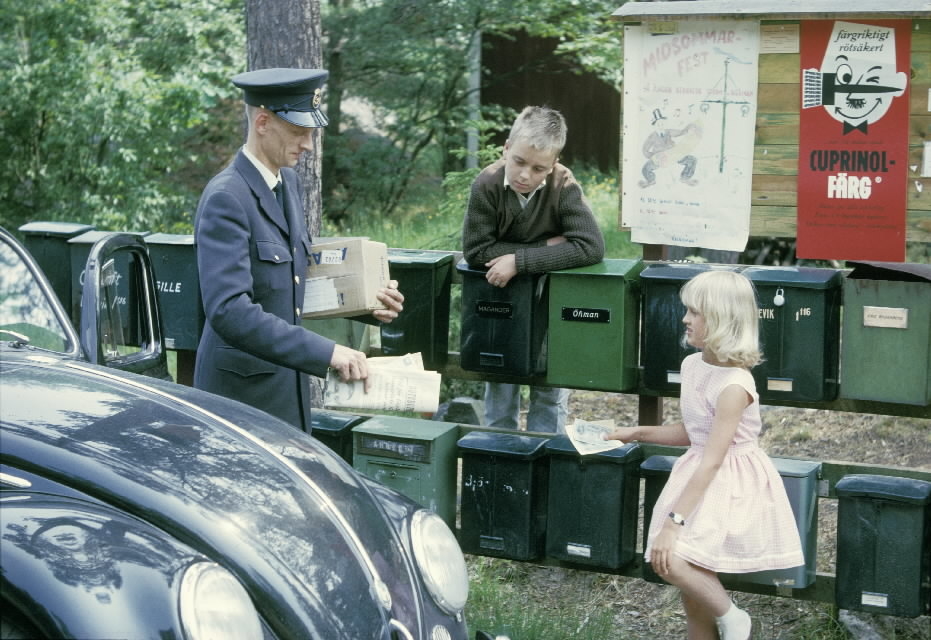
{"x":523,"y":199}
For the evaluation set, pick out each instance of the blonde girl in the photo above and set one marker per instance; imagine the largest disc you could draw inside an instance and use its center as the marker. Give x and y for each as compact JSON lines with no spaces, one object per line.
{"x":724,"y":507}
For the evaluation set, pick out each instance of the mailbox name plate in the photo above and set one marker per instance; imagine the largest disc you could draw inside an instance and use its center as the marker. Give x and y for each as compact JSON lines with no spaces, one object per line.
{"x":581,"y":314}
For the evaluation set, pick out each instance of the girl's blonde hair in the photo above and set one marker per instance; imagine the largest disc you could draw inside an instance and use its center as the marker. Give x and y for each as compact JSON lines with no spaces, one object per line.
{"x":727,"y":302}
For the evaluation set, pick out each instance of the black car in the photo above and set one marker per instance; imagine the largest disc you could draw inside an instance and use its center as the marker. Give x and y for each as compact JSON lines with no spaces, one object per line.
{"x":133,"y":507}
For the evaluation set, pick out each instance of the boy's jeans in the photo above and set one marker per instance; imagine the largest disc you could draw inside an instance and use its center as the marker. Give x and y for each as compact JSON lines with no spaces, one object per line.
{"x":549,"y":407}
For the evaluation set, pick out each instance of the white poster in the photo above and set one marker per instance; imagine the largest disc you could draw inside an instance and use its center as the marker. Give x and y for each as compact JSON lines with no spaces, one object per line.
{"x":689,"y":119}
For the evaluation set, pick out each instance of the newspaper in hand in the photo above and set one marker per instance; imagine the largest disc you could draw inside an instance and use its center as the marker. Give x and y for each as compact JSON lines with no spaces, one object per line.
{"x":395,"y":384}
{"x":587,"y":438}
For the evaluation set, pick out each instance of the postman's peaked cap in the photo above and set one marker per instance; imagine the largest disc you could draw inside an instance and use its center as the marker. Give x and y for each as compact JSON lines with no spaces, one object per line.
{"x":291,"y":94}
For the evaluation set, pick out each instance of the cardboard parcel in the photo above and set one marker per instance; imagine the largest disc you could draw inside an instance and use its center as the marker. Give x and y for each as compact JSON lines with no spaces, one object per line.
{"x":343,"y":277}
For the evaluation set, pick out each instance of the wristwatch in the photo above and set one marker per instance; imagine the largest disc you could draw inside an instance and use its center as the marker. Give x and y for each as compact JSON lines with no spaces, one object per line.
{"x":677,"y":518}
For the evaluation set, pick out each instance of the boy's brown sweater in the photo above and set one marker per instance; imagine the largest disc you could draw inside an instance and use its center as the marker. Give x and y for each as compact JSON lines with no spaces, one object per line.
{"x":495,"y":224}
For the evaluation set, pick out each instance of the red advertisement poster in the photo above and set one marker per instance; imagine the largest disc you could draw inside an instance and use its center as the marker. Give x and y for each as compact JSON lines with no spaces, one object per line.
{"x":853,"y":142}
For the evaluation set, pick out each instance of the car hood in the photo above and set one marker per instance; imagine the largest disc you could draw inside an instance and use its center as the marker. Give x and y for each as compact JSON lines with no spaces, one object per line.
{"x":273,"y":505}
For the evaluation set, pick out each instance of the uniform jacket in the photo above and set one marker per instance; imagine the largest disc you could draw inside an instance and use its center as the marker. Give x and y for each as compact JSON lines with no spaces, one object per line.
{"x":252,"y":258}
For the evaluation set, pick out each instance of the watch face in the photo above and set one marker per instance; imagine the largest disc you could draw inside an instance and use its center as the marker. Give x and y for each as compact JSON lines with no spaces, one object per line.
{"x":677,"y":518}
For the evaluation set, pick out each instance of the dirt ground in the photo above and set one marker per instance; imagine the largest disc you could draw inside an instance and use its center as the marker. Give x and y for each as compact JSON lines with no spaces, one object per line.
{"x":647,"y":611}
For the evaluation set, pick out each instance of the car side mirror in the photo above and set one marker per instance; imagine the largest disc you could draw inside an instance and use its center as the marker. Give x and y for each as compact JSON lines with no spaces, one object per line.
{"x":120,"y":322}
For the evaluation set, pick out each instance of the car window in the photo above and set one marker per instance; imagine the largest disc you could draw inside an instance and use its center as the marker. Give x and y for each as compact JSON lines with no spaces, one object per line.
{"x":24,"y":306}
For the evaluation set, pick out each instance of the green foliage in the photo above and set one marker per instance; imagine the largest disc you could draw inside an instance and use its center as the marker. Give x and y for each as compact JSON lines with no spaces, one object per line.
{"x":408,"y":63}
{"x":104,"y":105}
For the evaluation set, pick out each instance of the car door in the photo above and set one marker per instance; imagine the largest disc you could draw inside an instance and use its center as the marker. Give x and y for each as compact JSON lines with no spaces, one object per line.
{"x":120,"y":319}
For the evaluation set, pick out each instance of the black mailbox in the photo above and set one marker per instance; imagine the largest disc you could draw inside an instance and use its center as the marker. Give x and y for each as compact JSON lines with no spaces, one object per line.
{"x":174,"y":262}
{"x":334,"y":429}
{"x":883,"y":545}
{"x":503,"y":493}
{"x":661,"y":345}
{"x":424,"y":277}
{"x":503,"y":329}
{"x":48,"y":244}
{"x":592,"y":504}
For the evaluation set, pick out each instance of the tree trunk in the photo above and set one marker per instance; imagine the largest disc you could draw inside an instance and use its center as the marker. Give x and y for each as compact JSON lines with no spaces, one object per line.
{"x":286,"y":33}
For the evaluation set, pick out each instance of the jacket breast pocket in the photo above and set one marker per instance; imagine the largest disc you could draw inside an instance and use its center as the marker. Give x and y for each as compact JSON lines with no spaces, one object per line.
{"x":271,"y":273}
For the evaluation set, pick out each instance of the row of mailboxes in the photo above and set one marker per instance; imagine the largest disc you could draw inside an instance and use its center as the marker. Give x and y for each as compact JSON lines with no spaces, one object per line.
{"x":62,"y":248}
{"x":526,"y":497}
{"x":582,"y":328}
{"x":613,"y":326}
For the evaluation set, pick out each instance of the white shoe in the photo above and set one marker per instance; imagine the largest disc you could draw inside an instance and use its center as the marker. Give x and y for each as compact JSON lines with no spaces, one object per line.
{"x":734,"y":625}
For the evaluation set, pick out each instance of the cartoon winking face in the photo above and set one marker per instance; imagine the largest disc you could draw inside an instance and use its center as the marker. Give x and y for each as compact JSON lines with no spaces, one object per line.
{"x":858,"y":78}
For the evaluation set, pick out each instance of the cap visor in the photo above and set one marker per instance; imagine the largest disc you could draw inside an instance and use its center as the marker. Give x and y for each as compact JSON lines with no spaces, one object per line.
{"x":313,"y":118}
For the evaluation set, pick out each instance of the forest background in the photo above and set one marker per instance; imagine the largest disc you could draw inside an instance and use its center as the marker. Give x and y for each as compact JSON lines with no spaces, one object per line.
{"x":116,"y":113}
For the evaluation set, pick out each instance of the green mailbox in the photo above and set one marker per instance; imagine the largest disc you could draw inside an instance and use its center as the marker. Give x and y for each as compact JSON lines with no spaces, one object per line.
{"x":424,"y":277}
{"x":799,"y":332}
{"x":503,"y":328}
{"x":661,"y":346}
{"x":504,"y":482}
{"x":48,"y":244}
{"x":594,"y":326}
{"x":883,"y":545}
{"x":886,"y":345}
{"x":800,"y":479}
{"x":592,"y":504}
{"x":174,"y":262}
{"x":334,"y":429}
{"x":414,"y":457}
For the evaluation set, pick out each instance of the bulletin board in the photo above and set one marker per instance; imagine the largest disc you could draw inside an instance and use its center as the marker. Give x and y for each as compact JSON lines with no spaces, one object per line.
{"x":787,"y":29}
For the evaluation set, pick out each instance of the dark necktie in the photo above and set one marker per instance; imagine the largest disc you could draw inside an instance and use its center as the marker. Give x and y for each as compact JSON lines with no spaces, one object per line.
{"x":279,"y":194}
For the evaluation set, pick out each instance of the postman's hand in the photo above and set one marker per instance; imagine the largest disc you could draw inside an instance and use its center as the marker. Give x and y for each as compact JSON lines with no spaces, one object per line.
{"x":350,"y":364}
{"x":392,"y":298}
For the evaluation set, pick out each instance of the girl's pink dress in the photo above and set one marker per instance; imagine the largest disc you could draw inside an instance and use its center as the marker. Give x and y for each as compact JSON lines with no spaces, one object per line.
{"x":744,"y":522}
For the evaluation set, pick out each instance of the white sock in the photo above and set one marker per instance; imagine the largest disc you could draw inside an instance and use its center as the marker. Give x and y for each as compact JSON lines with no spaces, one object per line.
{"x":734,"y":625}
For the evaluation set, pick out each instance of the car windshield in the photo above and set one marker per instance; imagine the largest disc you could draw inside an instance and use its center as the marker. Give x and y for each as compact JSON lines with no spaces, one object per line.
{"x":24,"y":305}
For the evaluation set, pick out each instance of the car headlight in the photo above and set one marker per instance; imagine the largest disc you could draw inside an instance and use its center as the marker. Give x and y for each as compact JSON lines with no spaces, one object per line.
{"x":440,"y":560}
{"x":214,"y":604}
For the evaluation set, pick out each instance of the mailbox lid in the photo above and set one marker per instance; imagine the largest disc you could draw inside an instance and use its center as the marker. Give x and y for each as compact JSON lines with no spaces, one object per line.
{"x":628,"y":269}
{"x":894,"y":271}
{"x":680,"y":272}
{"x":418,"y":259}
{"x":790,"y":468}
{"x":887,"y":488}
{"x":333,"y":422}
{"x":55,"y":229}
{"x":503,"y":445}
{"x":796,"y":277}
{"x":657,"y":466}
{"x":180,"y":239}
{"x":562,"y":446}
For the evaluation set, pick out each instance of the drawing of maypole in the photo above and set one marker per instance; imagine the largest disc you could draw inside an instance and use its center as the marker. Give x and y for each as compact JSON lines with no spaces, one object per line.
{"x":725,"y":101}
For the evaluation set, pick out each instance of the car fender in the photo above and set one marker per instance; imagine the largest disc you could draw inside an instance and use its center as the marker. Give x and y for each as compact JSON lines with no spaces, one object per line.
{"x":78,"y":568}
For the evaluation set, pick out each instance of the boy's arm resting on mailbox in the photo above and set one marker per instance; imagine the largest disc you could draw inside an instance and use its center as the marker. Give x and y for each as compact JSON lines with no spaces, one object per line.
{"x":584,"y":243}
